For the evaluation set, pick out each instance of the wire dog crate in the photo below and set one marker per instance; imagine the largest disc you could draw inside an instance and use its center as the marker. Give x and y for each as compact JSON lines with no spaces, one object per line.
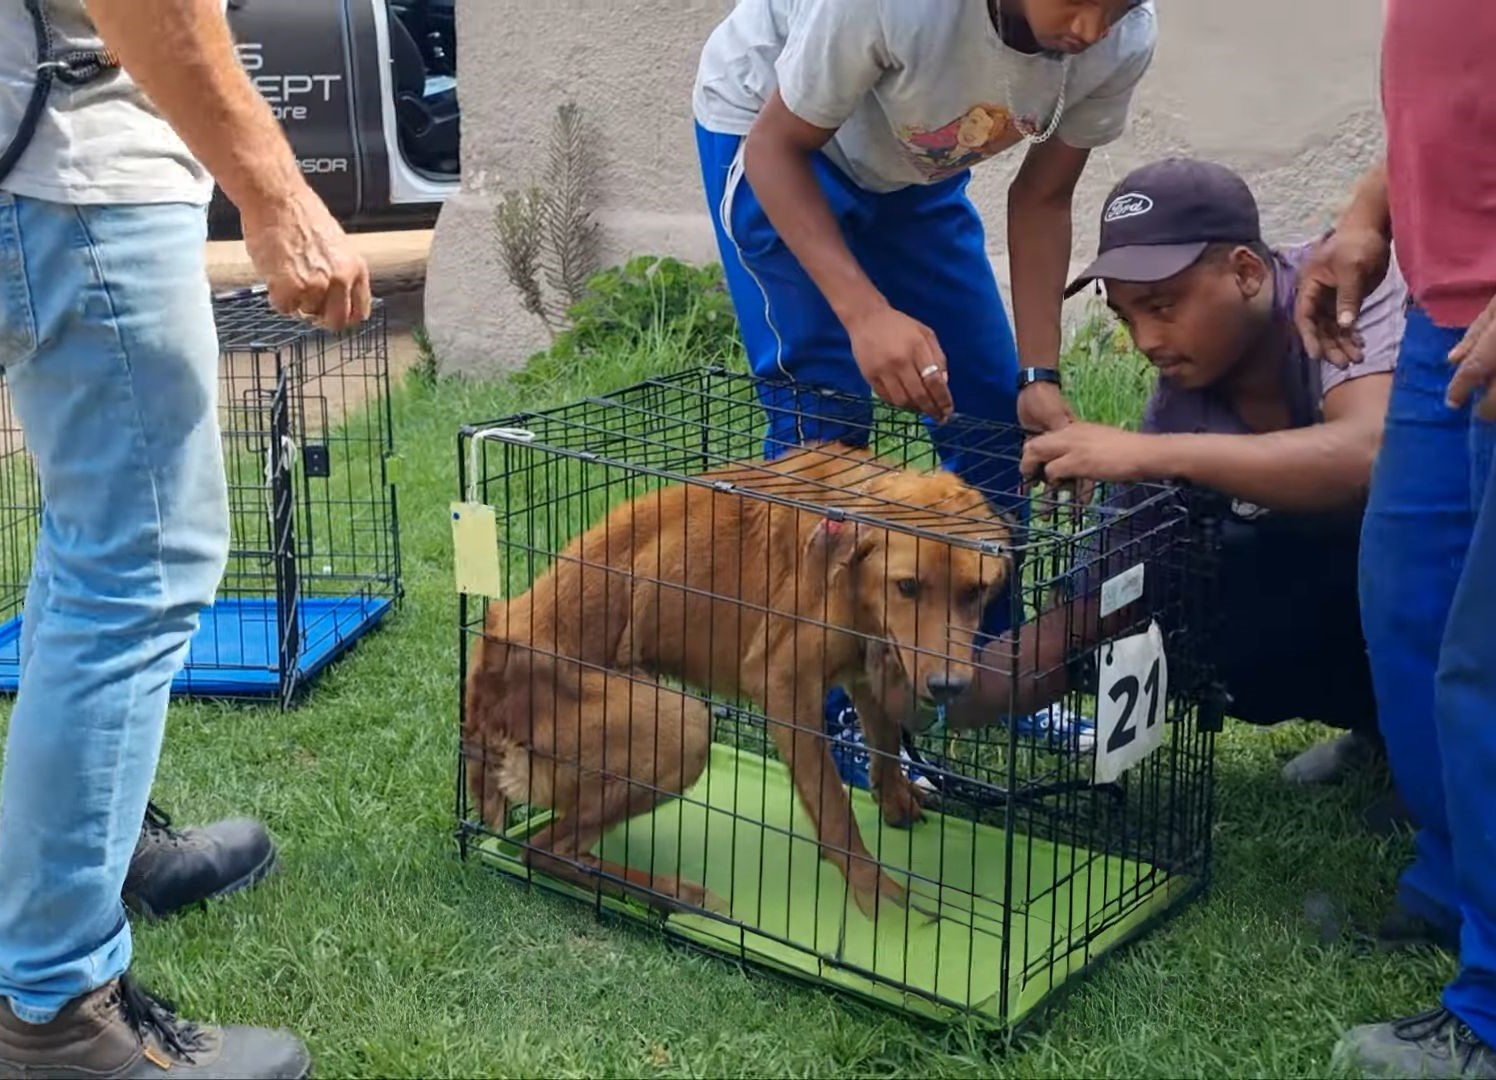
{"x":655,"y":620}
{"x":314,"y":560}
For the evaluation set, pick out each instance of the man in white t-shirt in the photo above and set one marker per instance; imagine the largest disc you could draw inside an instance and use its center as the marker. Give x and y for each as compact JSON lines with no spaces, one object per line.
{"x":836,"y":139}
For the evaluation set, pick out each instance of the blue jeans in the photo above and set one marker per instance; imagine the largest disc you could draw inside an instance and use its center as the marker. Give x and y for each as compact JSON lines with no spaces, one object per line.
{"x":1428,"y":601}
{"x":109,"y":349}
{"x":923,"y":247}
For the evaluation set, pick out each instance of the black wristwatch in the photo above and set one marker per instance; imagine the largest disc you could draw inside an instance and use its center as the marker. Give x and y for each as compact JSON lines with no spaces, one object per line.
{"x":1030,"y":375}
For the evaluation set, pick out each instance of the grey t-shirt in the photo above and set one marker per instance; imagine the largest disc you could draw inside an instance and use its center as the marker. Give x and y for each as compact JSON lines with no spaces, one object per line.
{"x":99,"y":143}
{"x":917,"y":90}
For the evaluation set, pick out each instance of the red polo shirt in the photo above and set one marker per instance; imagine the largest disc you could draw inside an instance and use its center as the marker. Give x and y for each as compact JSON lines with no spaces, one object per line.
{"x":1439,"y":99}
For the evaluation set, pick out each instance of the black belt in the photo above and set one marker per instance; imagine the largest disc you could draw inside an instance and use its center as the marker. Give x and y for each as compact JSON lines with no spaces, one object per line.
{"x":76,"y":67}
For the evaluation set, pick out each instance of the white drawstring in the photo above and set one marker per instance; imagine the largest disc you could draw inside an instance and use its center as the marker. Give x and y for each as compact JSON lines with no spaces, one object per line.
{"x":288,"y":453}
{"x":504,"y":434}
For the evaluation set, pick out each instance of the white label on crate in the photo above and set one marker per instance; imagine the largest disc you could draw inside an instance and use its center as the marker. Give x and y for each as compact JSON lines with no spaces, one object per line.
{"x":475,"y":549}
{"x":1132,"y":702}
{"x":1122,"y":590}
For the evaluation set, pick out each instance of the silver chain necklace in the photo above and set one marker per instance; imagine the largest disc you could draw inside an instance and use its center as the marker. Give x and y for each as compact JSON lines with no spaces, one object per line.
{"x":1059,"y":105}
{"x":1054,"y":119}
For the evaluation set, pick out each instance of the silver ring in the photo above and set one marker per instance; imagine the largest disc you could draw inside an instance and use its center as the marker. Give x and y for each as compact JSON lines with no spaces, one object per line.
{"x":933,"y":369}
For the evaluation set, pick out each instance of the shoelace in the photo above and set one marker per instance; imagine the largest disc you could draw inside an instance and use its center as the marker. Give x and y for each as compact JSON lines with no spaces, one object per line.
{"x":150,"y":1015}
{"x":1439,"y":1024}
{"x":158,"y":826}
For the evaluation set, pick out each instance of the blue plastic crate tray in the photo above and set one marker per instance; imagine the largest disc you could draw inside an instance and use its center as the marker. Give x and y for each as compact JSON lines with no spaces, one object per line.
{"x":234,"y":651}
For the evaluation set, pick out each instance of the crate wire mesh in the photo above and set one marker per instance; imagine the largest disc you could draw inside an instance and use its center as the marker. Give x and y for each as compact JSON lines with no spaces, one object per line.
{"x":20,"y":518}
{"x":632,"y":707}
{"x":314,"y":560}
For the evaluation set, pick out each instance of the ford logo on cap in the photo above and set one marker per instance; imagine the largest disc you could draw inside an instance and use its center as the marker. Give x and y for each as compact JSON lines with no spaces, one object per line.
{"x":1128,"y":206}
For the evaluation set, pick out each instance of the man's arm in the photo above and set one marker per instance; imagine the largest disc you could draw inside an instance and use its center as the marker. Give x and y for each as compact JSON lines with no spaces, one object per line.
{"x":777,"y":162}
{"x":1370,"y":208}
{"x":890,"y":348}
{"x":1321,"y":467}
{"x":1040,"y":213}
{"x":1020,"y":673}
{"x":834,"y":53}
{"x":1475,"y":356}
{"x":180,"y":54}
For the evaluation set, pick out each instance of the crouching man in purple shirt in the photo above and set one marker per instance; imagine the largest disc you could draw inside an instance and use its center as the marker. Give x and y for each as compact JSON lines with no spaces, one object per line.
{"x":1241,"y":411}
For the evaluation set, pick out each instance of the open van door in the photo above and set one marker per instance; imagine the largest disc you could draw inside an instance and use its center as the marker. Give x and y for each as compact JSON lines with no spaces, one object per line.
{"x":366,"y":91}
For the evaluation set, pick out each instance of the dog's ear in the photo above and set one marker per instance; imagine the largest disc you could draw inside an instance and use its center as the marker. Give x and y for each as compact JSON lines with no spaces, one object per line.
{"x":1003,"y":541}
{"x":997,"y":570}
{"x":843,"y":543}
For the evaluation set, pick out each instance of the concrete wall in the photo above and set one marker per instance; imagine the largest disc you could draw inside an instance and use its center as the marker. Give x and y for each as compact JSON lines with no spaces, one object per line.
{"x":1285,"y":91}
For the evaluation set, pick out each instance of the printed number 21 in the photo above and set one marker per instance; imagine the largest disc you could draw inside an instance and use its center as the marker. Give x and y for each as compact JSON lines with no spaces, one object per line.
{"x":1127,"y":686}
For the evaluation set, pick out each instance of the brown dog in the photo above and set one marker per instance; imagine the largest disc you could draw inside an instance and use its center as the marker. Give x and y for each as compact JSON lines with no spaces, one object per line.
{"x":741,"y":597}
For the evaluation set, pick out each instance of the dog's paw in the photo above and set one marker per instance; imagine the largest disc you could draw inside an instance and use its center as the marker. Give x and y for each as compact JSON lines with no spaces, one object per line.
{"x":902,"y":803}
{"x":873,"y":890}
{"x":685,"y":895}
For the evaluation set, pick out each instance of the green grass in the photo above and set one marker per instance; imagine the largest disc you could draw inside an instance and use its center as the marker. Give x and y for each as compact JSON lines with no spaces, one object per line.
{"x":393,"y":958}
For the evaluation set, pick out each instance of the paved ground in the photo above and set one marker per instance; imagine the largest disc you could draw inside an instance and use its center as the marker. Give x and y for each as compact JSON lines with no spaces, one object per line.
{"x":397,"y":260}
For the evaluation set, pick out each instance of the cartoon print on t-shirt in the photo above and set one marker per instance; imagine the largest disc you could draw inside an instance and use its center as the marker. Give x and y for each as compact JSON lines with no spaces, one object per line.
{"x":978,"y":133}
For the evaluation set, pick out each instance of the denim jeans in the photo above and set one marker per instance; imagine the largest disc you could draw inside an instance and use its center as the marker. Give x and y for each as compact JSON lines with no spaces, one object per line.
{"x":1428,"y":602}
{"x":109,"y":349}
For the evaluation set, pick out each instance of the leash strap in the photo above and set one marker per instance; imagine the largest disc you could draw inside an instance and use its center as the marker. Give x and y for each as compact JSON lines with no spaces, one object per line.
{"x":77,"y":67}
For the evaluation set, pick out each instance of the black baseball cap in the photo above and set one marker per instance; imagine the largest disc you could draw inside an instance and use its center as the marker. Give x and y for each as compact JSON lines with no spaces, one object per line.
{"x":1160,"y":219}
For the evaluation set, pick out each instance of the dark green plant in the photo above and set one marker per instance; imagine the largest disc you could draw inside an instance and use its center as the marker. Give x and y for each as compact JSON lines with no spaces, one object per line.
{"x":426,"y":371}
{"x":570,"y":254}
{"x":547,"y":235}
{"x":649,"y":298}
{"x":520,"y":225}
{"x":1107,"y":380}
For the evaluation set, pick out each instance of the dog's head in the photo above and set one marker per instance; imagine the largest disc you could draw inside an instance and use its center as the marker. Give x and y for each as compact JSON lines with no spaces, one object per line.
{"x":817,"y":593}
{"x":919,"y":592}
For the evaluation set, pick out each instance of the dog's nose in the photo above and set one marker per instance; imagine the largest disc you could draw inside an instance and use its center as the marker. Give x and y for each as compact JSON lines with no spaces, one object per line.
{"x":944,"y":688}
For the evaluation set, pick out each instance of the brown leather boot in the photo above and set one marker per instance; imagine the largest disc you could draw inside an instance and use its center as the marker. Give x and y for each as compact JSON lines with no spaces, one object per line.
{"x":122,"y":1030}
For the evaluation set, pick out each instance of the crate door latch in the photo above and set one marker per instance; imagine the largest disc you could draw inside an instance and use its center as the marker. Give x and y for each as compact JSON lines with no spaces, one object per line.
{"x":475,"y":526}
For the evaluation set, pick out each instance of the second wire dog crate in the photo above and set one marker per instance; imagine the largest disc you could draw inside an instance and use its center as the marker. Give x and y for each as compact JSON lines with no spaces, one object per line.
{"x":308,"y":445}
{"x":1041,"y":847}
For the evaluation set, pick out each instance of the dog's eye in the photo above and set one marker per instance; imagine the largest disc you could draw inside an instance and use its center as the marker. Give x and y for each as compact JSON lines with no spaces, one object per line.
{"x":973,"y":596}
{"x":908,"y":587}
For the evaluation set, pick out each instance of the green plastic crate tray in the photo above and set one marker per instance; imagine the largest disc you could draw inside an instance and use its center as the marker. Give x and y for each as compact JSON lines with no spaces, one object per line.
{"x":790,"y":910}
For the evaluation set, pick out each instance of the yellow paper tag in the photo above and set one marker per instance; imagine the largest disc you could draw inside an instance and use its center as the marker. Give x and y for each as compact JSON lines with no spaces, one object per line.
{"x":393,"y":468}
{"x":475,"y":549}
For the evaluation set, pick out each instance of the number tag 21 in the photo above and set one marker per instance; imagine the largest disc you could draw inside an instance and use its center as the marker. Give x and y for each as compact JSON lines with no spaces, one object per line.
{"x":1132,"y":703}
